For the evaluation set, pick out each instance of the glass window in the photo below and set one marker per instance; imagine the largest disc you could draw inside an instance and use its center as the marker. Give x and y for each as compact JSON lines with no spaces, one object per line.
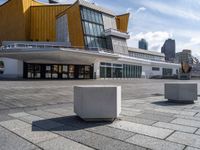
{"x":37,"y":71}
{"x":89,"y":43}
{"x":155,"y":68}
{"x":93,"y":28}
{"x":98,"y":30}
{"x":96,"y":42}
{"x":48,"y":71}
{"x":65,"y":72}
{"x":71,"y":71}
{"x":87,"y":28}
{"x":108,"y":72}
{"x":81,"y":72}
{"x":92,"y":42}
{"x":84,"y":28}
{"x":167,"y":72}
{"x":96,"y":17}
{"x":55,"y":71}
{"x":30,"y":71}
{"x":102,"y":72}
{"x":82,"y":14}
{"x":88,"y":14}
{"x":93,"y":16}
{"x":101,"y":29}
{"x":100,"y":18}
{"x":87,"y":72}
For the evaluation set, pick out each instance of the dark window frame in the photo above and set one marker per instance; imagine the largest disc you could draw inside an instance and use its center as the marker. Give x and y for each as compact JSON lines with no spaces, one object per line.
{"x":97,"y":28}
{"x":155,"y":69}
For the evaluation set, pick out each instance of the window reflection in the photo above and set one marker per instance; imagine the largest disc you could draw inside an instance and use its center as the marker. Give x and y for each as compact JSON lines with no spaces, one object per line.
{"x":37,"y":71}
{"x":167,"y":72}
{"x":33,"y":71}
{"x":93,"y":29}
{"x":71,"y":71}
{"x":54,"y":71}
{"x":48,"y":72}
{"x":108,"y":70}
{"x":65,"y":72}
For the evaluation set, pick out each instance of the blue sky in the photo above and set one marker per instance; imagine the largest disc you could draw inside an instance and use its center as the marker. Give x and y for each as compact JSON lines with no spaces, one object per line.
{"x":158,"y":20}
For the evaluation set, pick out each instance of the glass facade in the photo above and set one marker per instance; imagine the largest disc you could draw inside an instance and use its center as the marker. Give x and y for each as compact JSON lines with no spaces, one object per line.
{"x":93,"y":27}
{"x":108,"y":70}
{"x":146,"y":56}
{"x":167,"y":72}
{"x":56,"y":71}
{"x":34,"y":71}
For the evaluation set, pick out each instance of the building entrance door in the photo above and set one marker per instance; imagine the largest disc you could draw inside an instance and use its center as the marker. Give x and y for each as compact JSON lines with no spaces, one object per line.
{"x":57,"y":71}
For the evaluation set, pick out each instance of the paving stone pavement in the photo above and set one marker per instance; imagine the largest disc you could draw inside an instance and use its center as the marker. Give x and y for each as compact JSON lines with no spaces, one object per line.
{"x":36,"y":115}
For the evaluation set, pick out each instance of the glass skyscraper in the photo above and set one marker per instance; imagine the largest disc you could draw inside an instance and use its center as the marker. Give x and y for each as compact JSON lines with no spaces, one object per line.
{"x":143,"y":44}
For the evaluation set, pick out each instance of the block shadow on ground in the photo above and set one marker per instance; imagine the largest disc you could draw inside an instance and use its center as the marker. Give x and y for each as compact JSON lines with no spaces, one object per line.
{"x":172,"y":103}
{"x":68,"y":123}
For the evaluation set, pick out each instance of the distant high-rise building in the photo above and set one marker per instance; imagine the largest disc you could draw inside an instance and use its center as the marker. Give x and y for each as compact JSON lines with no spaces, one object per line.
{"x":186,"y":57}
{"x":143,"y":44}
{"x":169,"y":49}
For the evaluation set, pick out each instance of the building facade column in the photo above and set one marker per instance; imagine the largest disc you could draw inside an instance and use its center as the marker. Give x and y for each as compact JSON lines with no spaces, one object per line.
{"x":96,"y":69}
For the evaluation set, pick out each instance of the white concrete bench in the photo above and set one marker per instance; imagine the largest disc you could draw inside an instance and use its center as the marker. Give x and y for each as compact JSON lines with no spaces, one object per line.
{"x":97,"y":103}
{"x":181,"y":92}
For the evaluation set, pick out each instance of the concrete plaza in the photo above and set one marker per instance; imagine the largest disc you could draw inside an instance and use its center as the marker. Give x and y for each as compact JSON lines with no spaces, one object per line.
{"x":39,"y":115}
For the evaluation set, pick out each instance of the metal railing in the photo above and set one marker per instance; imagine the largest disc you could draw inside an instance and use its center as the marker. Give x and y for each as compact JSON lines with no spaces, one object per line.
{"x":28,"y":45}
{"x":34,"y":45}
{"x":112,"y":29}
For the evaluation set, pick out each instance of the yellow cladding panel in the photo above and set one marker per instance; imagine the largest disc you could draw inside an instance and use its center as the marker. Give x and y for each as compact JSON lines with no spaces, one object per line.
{"x":27,"y":12}
{"x":43,"y":22}
{"x":12,"y":22}
{"x":122,"y":22}
{"x":75,"y":25}
{"x":16,"y":21}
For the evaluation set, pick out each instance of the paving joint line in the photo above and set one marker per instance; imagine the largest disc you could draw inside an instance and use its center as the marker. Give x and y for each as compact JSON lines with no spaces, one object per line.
{"x":22,"y":137}
{"x":195,"y":114}
{"x":196,"y":131}
{"x":170,"y":134}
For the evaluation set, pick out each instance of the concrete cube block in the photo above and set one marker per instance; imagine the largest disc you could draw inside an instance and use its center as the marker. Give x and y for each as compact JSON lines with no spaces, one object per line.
{"x":183,"y":92}
{"x":97,"y":103}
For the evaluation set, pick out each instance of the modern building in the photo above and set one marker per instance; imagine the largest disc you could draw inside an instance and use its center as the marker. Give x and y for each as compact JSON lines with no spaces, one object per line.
{"x":185,"y":57}
{"x":169,"y":49}
{"x":147,"y":55}
{"x":75,"y":41}
{"x":143,"y":44}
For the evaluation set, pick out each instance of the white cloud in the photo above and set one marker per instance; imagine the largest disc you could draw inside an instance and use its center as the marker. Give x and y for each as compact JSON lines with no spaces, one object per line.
{"x":154,"y":39}
{"x":133,"y":13}
{"x":175,"y":10}
{"x":194,"y":45}
{"x":141,"y":9}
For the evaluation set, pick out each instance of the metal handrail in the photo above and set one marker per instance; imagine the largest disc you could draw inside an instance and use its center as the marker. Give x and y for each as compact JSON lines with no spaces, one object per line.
{"x":37,"y":45}
{"x":116,"y":30}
